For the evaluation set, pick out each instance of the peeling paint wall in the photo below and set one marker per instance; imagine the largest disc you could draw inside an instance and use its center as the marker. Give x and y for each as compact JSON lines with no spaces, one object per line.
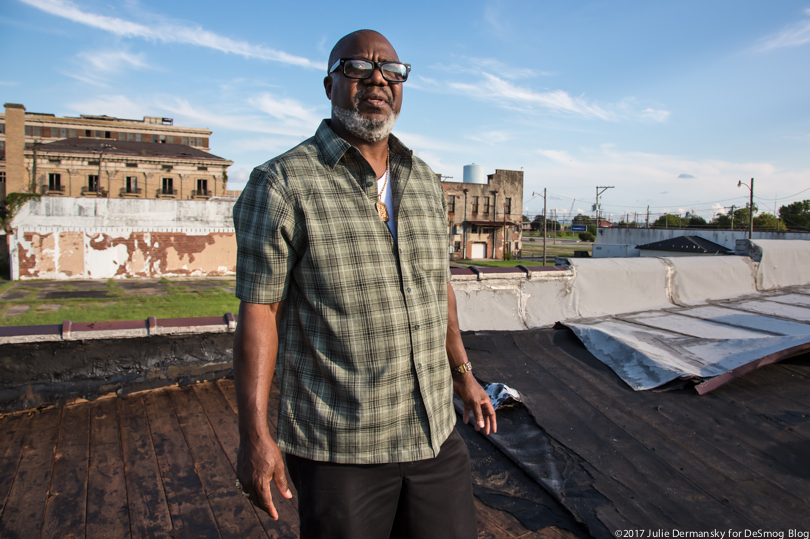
{"x":68,"y":238}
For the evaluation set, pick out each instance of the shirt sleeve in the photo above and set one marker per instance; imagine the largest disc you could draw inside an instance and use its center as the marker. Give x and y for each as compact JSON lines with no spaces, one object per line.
{"x":264,"y":221}
{"x":449,"y":275}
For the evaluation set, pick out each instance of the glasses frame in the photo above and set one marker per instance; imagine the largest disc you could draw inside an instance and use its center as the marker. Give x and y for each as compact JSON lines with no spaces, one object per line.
{"x":376,"y":65}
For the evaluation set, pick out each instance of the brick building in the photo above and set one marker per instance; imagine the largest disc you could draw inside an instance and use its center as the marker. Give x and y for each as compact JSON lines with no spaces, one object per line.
{"x":102,"y":156}
{"x":485,"y":219}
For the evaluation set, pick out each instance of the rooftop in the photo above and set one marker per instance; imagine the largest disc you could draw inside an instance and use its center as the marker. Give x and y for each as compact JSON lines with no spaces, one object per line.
{"x":686,"y":244}
{"x":124,"y":149}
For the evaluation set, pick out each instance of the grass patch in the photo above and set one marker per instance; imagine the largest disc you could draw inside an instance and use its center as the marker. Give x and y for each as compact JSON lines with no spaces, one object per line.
{"x":126,"y":308}
{"x":5,"y":286}
{"x":68,"y":287}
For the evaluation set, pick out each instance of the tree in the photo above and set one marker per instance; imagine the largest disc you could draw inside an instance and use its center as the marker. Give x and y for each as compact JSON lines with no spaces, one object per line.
{"x":525,"y":218}
{"x":581,"y":219}
{"x":767,"y":221}
{"x":697,"y":221}
{"x":587,"y":236}
{"x":670,"y":221}
{"x":796,"y":216}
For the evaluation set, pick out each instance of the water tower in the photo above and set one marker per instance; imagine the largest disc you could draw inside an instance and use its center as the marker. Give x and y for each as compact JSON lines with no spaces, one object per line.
{"x":474,"y":174}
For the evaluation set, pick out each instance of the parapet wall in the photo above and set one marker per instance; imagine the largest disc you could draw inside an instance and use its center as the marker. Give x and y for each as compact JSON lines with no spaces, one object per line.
{"x":99,"y":238}
{"x":498,"y":301}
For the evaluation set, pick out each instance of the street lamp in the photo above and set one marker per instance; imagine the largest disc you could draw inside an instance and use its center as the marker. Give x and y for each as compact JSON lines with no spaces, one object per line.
{"x":750,"y":208}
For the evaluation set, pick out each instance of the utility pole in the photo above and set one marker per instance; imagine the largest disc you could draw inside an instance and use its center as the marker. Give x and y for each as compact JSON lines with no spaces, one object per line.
{"x":598,"y":192}
{"x":648,"y":216}
{"x":545,"y":227}
{"x":732,"y":217}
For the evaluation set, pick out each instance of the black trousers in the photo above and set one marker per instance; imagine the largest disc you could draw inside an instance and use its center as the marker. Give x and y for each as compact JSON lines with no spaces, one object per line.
{"x":423,"y":499}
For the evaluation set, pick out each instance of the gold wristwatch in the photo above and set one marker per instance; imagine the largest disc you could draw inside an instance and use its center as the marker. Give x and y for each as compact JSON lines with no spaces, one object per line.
{"x":461,"y":369}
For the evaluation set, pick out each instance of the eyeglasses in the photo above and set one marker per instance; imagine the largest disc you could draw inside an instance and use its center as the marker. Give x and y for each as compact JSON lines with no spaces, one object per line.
{"x":354,"y":68}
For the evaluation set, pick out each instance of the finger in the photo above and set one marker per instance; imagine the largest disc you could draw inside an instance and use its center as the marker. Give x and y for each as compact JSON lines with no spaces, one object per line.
{"x":466,"y":414}
{"x":479,"y":417}
{"x":281,"y":480}
{"x":489,"y":413}
{"x":262,"y":498}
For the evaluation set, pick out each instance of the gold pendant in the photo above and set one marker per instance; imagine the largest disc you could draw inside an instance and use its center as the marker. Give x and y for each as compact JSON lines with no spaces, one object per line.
{"x":383,"y":211}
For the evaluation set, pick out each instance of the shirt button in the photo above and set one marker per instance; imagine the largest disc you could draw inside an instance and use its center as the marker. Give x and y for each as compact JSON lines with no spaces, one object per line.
{"x":409,"y":289}
{"x":419,"y":366}
{"x":369,"y":183}
{"x":416,"y":326}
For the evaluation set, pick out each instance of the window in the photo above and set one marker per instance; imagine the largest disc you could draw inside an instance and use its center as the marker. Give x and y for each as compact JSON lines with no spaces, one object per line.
{"x":451,"y":204}
{"x":88,"y":133}
{"x":72,"y":133}
{"x":2,"y":177}
{"x":92,"y":183}
{"x":138,"y":137}
{"x":37,"y":131}
{"x":202,"y":187}
{"x":184,"y":140}
{"x":192,"y":141}
{"x":457,"y":246}
{"x":202,"y":168}
{"x":63,"y":132}
{"x":54,"y":182}
{"x":486,"y":204}
{"x":475,"y":204}
{"x":507,"y":206}
{"x":97,"y":134}
{"x":107,"y":134}
{"x":132,"y":184}
{"x":167,"y":187}
{"x":123,"y":136}
{"x":2,"y":144}
{"x":132,"y":165}
{"x":163,"y":139}
{"x":2,"y":128}
{"x":155,"y":138}
{"x":28,"y":131}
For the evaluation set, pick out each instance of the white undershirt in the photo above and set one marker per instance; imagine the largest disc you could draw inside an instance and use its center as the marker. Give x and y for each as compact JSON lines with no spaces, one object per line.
{"x":388,"y":199}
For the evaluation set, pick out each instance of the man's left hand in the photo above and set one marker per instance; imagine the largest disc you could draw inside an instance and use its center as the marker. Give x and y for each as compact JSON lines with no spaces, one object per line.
{"x":477,"y":401}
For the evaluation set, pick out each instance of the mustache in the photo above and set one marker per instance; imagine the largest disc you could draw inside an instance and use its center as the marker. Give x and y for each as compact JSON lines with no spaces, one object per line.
{"x":386,"y":96}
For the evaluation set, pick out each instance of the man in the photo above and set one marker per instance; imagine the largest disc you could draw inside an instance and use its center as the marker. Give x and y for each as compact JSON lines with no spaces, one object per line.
{"x":343,"y":275}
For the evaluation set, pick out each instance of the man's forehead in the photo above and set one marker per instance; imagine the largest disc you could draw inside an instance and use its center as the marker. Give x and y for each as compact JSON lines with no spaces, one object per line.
{"x":364,"y":44}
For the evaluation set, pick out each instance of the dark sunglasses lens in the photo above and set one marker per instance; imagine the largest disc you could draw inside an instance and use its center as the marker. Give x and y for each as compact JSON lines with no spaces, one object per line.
{"x":395,"y":72}
{"x":357,"y":69}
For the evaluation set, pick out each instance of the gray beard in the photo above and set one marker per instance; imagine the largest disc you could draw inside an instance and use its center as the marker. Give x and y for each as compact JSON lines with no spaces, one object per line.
{"x":364,"y":128}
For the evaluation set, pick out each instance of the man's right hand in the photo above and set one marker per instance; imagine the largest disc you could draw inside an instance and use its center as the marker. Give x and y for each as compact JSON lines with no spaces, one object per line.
{"x":258,"y":463}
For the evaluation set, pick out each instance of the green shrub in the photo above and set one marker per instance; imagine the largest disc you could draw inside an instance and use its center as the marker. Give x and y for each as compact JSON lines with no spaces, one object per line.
{"x":587,"y":236}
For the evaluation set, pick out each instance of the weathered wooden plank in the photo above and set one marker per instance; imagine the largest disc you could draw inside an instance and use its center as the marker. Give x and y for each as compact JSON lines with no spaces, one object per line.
{"x":67,"y":504}
{"x":678,"y":442}
{"x":636,"y":474}
{"x":148,"y":511}
{"x":494,"y":524}
{"x":234,"y":514}
{"x":107,"y":513}
{"x":188,"y":505}
{"x":224,"y":423}
{"x":13,"y":429}
{"x":25,"y":507}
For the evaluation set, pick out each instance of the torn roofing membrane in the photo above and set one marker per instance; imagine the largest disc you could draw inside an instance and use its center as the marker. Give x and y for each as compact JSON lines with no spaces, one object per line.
{"x":723,"y":340}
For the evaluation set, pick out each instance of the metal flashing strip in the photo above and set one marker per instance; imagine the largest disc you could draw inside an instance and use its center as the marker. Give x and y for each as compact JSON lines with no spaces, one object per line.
{"x":712,"y":344}
{"x":122,"y":329}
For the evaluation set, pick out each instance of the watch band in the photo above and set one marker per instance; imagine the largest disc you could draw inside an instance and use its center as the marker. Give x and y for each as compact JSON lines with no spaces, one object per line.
{"x":461,"y":369}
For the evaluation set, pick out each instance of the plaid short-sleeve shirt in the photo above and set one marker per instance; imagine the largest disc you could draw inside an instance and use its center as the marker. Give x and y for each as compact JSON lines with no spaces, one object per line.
{"x":363,"y":370}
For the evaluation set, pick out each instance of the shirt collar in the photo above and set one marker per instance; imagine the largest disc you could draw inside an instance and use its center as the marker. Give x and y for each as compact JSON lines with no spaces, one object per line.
{"x":333,"y":147}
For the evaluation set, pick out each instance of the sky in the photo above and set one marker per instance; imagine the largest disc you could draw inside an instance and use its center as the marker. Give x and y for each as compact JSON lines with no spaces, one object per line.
{"x":669,"y":103}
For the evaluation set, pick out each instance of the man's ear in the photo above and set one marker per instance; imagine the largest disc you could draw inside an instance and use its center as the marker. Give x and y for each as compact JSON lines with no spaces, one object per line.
{"x":327,"y":85}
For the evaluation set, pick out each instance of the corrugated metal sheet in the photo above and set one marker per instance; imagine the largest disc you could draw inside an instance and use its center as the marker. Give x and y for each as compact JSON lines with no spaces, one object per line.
{"x":724,"y":340}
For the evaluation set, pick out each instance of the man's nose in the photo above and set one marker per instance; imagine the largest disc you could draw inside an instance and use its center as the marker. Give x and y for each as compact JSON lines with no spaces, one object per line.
{"x":376,"y":77}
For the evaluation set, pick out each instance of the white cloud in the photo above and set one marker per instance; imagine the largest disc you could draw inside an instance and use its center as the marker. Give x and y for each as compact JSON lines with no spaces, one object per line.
{"x":655,"y":115}
{"x":792,"y":35}
{"x":168,"y":32}
{"x":718,"y":208}
{"x":96,"y":68}
{"x":287,"y":110}
{"x":494,"y":88}
{"x":185,"y":113}
{"x":639,"y":179}
{"x":112,"y":61}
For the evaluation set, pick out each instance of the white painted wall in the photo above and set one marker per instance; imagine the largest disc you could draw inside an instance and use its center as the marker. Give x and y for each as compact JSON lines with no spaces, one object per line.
{"x":602,"y":287}
{"x":613,"y":238}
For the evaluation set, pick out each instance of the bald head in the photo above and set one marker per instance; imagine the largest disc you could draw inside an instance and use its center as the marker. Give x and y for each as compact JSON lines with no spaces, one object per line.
{"x":347,"y":42}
